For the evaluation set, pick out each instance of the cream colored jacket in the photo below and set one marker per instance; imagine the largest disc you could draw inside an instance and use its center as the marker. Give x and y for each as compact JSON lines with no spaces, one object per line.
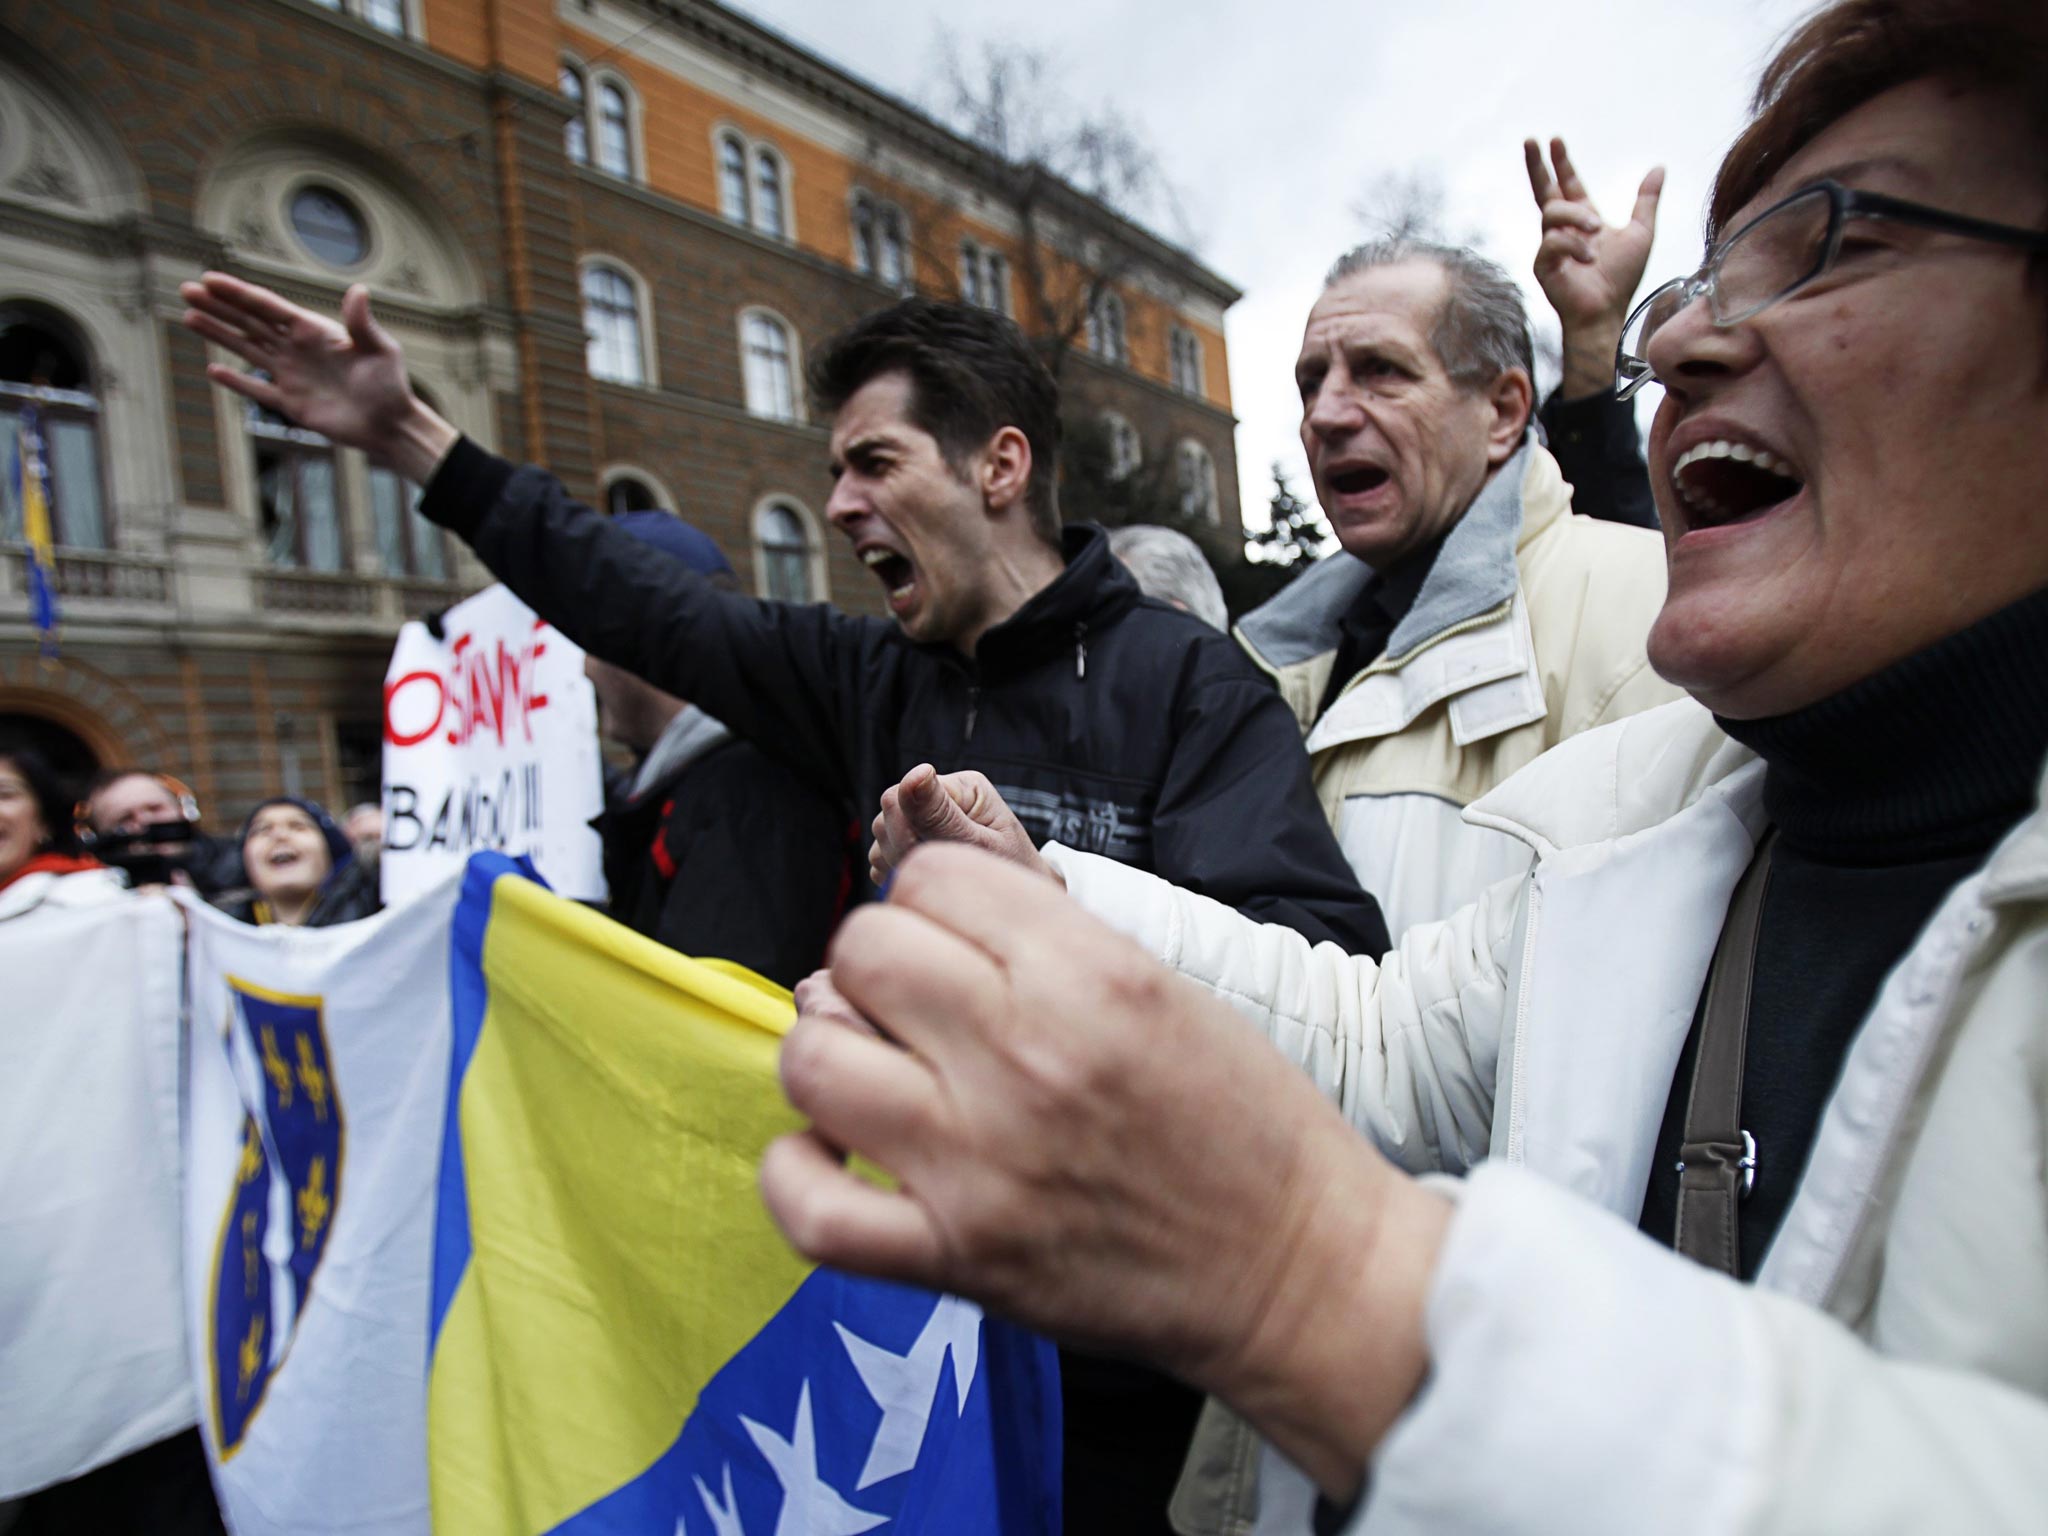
{"x":1528,"y":630}
{"x":1888,"y":1371}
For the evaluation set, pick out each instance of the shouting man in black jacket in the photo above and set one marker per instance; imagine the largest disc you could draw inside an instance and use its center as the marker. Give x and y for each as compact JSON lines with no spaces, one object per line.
{"x":1107,"y":720}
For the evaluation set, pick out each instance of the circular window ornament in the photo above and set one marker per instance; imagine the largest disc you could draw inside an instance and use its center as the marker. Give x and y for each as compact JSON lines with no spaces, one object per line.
{"x":329,"y":226}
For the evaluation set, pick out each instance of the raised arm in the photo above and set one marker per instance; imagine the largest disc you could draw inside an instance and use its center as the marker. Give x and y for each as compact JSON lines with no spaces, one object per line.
{"x":1589,"y":270}
{"x":793,"y":680}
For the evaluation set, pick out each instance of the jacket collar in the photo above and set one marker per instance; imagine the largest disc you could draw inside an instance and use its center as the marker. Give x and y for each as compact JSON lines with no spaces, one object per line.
{"x":1092,"y":592}
{"x":1623,"y":779}
{"x":1474,"y":573}
{"x":689,"y":734}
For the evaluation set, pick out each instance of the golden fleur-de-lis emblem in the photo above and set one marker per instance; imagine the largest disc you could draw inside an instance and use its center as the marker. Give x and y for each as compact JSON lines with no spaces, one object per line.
{"x":314,"y":1206}
{"x":252,"y":1156}
{"x":276,"y":1069}
{"x":249,"y":1359}
{"x":312,"y":1079}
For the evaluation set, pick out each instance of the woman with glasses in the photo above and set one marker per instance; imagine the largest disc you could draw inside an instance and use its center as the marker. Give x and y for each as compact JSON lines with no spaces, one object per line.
{"x":1746,"y":1081}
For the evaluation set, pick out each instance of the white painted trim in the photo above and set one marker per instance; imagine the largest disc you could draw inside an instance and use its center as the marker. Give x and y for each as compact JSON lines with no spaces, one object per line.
{"x":595,"y":78}
{"x":619,"y":469}
{"x":643,"y":303}
{"x":814,"y":544}
{"x":796,"y":361}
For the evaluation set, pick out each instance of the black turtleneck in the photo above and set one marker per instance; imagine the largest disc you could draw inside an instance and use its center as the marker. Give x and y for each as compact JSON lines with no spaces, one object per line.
{"x":1382,"y":603}
{"x":1885,"y":795}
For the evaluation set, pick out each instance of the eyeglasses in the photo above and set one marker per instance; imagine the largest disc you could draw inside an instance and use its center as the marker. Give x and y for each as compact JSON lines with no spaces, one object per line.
{"x":1776,"y":254}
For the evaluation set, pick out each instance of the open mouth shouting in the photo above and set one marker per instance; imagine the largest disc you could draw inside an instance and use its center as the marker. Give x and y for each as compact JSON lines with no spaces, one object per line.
{"x":896,"y":573}
{"x":1355,"y":484}
{"x":1722,"y":482}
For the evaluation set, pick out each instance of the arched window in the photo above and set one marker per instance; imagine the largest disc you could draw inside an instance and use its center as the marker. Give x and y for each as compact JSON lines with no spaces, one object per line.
{"x":45,"y":378}
{"x":768,"y":193}
{"x":614,"y":131}
{"x":1196,"y":473}
{"x":629,"y":493}
{"x":575,"y":132}
{"x":1106,"y":328}
{"x":298,"y":503}
{"x":733,"y":200}
{"x":407,"y":544}
{"x":784,"y":552}
{"x":768,"y":366}
{"x":1126,"y":452}
{"x":611,"y":321}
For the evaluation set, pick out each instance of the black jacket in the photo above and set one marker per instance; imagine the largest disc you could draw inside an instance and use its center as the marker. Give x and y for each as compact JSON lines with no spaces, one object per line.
{"x":1107,"y":720}
{"x":1596,"y":446}
{"x":731,"y":856}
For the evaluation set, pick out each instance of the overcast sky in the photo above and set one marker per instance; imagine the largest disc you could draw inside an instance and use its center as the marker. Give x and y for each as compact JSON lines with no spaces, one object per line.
{"x":1273,"y":120}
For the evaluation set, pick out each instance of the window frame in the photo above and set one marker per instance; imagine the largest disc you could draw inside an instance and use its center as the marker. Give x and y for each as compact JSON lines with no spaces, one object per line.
{"x":643,"y":316}
{"x":793,"y":358}
{"x":1189,"y":450}
{"x":576,"y":129}
{"x":1187,"y":363}
{"x":1122,"y":433}
{"x":738,"y":185}
{"x":297,"y":447}
{"x":816,"y":567}
{"x":77,"y":406}
{"x":1106,"y":340}
{"x":984,"y":273}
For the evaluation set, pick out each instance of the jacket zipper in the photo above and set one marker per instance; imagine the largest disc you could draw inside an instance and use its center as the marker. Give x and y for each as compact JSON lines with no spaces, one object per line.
{"x":973,"y":707}
{"x":1080,"y":650}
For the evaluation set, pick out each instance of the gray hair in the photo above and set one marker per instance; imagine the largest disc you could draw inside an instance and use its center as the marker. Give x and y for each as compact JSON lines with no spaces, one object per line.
{"x":1171,"y":567}
{"x":1482,"y":330}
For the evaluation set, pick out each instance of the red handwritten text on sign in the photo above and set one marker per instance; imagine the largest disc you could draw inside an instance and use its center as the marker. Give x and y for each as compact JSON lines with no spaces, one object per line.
{"x":488,"y":690}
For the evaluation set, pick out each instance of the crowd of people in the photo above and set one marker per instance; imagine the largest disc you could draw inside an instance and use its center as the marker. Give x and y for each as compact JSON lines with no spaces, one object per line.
{"x":1543,"y":1022}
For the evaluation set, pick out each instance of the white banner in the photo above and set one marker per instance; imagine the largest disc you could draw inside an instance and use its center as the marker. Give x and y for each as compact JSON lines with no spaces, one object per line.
{"x":490,"y":742}
{"x":92,"y":1340}
{"x":317,"y":1071}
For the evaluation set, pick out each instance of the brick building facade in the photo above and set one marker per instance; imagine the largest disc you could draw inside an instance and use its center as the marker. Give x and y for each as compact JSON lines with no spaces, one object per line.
{"x":605,"y":232}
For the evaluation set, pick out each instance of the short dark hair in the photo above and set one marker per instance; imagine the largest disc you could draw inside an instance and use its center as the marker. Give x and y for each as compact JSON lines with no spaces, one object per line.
{"x":1855,"y":50}
{"x":54,"y":806}
{"x":972,"y":373}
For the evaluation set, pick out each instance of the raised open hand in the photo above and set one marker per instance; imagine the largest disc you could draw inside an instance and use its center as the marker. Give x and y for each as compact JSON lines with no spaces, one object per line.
{"x":1587,"y":268}
{"x":345,"y":380}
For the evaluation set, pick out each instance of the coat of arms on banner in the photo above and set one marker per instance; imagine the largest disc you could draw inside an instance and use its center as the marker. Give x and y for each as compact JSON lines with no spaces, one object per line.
{"x":286,"y":1191}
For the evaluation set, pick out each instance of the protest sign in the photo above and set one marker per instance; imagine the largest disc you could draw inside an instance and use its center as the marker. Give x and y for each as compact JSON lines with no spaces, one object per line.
{"x":490,"y":745}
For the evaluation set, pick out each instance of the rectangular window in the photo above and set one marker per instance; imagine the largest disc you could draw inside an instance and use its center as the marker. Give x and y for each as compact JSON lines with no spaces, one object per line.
{"x":407,"y":544}
{"x":71,"y":465}
{"x":386,"y":15}
{"x":296,"y":501}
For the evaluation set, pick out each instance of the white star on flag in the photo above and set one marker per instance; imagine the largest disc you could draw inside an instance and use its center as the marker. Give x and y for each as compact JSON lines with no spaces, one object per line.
{"x":810,"y":1506}
{"x":904,"y":1385}
{"x":725,"y":1518}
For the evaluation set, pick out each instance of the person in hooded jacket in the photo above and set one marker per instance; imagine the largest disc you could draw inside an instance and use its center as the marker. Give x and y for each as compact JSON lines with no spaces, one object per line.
{"x":303,"y":871}
{"x":711,"y":846}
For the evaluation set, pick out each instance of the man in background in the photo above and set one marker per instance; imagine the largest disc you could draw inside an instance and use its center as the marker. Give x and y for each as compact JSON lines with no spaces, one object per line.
{"x":712,"y":847}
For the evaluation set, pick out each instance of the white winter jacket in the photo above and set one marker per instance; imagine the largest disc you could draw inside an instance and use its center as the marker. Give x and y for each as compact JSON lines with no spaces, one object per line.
{"x":1889,"y":1369}
{"x":1529,"y":628}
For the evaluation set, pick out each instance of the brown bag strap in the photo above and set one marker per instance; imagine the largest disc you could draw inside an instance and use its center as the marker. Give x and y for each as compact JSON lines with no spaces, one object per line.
{"x":1717,"y":1163}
